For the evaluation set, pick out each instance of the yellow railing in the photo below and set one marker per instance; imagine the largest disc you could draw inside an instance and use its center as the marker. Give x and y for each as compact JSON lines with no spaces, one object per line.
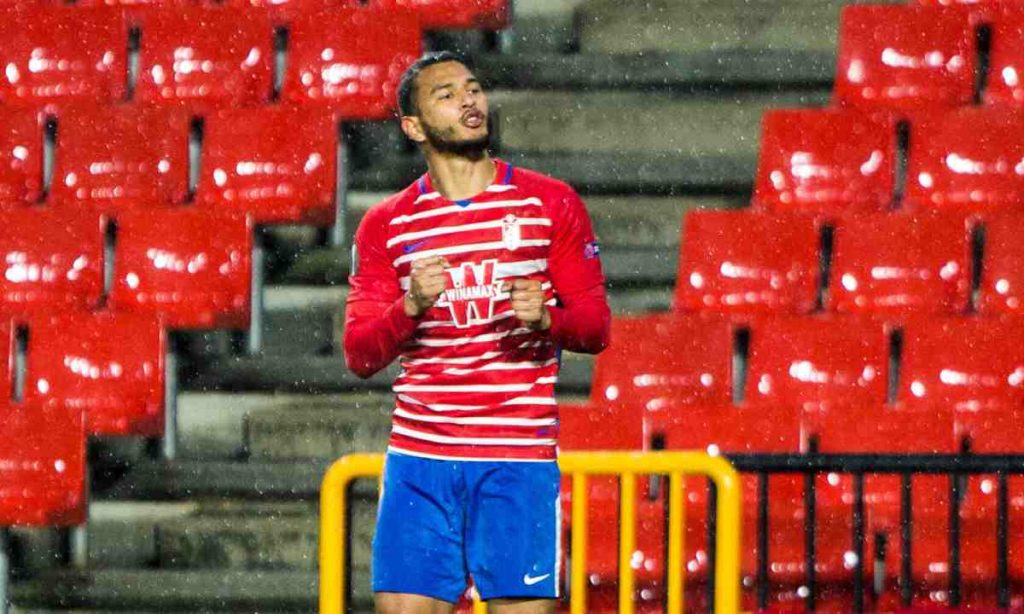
{"x":627,"y":465}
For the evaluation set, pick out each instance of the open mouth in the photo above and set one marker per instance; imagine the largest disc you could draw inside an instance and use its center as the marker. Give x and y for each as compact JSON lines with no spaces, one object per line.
{"x":473,"y":119}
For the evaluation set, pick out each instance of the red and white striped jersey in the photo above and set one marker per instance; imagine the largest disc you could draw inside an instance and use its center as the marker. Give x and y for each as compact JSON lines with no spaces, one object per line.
{"x":475,"y":382}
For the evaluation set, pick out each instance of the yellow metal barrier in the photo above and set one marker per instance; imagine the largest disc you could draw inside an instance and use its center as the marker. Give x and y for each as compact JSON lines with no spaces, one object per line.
{"x":579,"y":465}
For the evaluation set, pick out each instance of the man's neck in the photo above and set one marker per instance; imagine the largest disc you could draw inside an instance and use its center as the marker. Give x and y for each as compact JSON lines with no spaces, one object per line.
{"x":459,"y":177}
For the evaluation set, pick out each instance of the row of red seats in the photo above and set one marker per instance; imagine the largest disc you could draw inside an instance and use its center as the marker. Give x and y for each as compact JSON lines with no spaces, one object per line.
{"x":277,"y":164}
{"x":348,"y":59}
{"x":193,"y":268}
{"x":844,"y":161}
{"x":433,"y":14}
{"x":745,"y":262}
{"x":909,"y":57}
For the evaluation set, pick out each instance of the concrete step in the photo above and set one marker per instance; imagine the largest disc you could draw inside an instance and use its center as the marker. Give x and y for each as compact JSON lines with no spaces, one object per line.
{"x":173,"y":591}
{"x":639,"y":122}
{"x":610,"y":26}
{"x":692,"y":69}
{"x":321,"y":374}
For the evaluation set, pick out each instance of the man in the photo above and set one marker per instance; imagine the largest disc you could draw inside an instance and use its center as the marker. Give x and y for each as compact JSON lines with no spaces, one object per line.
{"x":475,"y":276}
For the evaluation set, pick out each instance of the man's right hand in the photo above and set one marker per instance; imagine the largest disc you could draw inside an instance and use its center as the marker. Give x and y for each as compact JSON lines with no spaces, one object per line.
{"x":426,"y":283}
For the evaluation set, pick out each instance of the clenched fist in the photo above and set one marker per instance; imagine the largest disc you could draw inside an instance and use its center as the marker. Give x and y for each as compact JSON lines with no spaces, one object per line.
{"x":426,"y":283}
{"x":528,"y":303}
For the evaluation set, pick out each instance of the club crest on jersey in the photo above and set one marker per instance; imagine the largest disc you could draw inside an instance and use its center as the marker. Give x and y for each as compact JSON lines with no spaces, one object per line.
{"x":472,"y":292}
{"x":511,"y":235}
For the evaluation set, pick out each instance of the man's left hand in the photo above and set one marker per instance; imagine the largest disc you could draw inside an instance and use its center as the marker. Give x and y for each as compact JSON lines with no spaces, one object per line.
{"x":528,"y":304}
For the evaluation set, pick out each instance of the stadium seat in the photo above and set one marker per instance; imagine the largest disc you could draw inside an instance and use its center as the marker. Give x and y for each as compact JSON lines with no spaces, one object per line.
{"x":1006,"y":58}
{"x":42,"y":465}
{"x":214,"y":57}
{"x":109,"y":365}
{"x":1002,"y":271}
{"x":891,"y":264}
{"x":21,"y":157}
{"x":277,"y":164}
{"x":905,"y":57}
{"x":898,"y":430}
{"x":351,"y":60}
{"x":665,"y":360}
{"x":112,"y":158}
{"x":969,"y":159}
{"x":819,"y":365}
{"x":53,"y":260}
{"x":456,"y":14}
{"x":826,"y":161}
{"x":191,"y":267}
{"x":741,"y":262}
{"x":967,"y":364}
{"x":43,"y":63}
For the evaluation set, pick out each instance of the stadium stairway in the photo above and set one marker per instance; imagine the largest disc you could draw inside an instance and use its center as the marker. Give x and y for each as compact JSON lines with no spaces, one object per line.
{"x":648,"y":110}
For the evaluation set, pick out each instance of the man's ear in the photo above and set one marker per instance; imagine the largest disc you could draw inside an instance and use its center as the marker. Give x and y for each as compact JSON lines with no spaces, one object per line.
{"x":413,"y":129}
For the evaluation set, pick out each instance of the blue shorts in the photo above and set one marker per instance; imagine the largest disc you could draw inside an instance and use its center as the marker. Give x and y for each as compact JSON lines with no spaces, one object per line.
{"x":440,"y":521}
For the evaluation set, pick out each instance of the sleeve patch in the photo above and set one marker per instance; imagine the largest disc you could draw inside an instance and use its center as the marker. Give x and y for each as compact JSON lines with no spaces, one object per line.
{"x":591,"y":250}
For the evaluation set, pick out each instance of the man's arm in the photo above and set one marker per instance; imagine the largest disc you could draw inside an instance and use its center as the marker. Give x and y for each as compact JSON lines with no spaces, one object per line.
{"x":376,"y":323}
{"x":583,"y":322}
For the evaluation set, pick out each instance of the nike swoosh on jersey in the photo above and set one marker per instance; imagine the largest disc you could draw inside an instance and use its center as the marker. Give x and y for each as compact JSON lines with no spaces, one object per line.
{"x":410,"y":248}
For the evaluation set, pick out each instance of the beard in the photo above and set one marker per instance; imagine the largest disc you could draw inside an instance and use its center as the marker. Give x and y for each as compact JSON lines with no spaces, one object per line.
{"x":444,"y":141}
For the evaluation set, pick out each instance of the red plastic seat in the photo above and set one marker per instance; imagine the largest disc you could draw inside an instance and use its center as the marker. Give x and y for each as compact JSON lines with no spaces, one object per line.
{"x":966,"y":364}
{"x":214,"y":56}
{"x":743,"y":262}
{"x":109,"y":365}
{"x":21,"y":157}
{"x":114,"y":158}
{"x":969,"y":159}
{"x":666,"y":360}
{"x":1006,"y":59}
{"x":1002,"y":272}
{"x":191,"y":267}
{"x":43,"y":62}
{"x":351,"y":59}
{"x":278,"y":164}
{"x":888,"y":264}
{"x":456,"y":14}
{"x":42,"y":465}
{"x":53,"y":260}
{"x":826,"y":161}
{"x":817,"y":364}
{"x":905,"y":57}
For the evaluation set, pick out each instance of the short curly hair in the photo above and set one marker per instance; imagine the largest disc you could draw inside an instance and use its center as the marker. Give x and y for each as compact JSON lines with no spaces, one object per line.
{"x":407,"y":86}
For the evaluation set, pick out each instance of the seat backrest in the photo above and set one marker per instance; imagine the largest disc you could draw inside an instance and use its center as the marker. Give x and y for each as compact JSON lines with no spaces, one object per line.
{"x":21,"y":156}
{"x":905,"y":57}
{"x":1006,"y":57}
{"x":456,"y":14}
{"x":826,"y":161}
{"x":665,"y":360}
{"x":53,"y":260}
{"x":883,"y":429}
{"x":42,"y":465}
{"x":729,"y":429}
{"x":905,"y":263}
{"x":1002,"y":271}
{"x":968,"y":364}
{"x":109,"y":365}
{"x":351,"y":59}
{"x":114,"y":158}
{"x":214,"y":56}
{"x":192,"y":267}
{"x":44,"y":62}
{"x":277,"y":164}
{"x":969,"y":159}
{"x":817,"y":364}
{"x":740,"y":261}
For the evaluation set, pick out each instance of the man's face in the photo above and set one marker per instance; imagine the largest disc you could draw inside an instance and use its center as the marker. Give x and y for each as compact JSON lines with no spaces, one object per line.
{"x":452,"y":109}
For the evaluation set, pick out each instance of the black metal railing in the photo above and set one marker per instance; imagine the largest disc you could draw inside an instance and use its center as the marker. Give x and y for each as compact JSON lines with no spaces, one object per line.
{"x":812,"y":464}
